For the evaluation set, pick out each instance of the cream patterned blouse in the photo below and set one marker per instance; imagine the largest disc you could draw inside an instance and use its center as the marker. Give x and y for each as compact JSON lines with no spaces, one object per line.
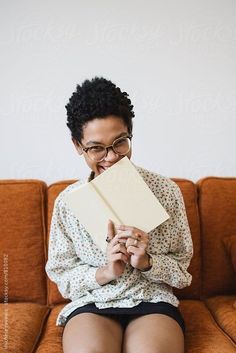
{"x":73,"y":258}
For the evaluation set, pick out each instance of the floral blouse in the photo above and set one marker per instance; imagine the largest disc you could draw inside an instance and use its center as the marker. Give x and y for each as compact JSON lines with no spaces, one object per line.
{"x":73,"y":257}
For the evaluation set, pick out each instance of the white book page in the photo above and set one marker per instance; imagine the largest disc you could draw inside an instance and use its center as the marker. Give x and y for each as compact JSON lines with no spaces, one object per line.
{"x":130,"y":197}
{"x":91,"y":211}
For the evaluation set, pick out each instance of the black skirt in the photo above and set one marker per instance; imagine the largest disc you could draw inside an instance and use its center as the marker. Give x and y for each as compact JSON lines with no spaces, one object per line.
{"x":125,"y":315}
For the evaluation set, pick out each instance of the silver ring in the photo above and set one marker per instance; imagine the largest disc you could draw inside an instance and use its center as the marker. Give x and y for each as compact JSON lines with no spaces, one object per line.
{"x":108,"y":239}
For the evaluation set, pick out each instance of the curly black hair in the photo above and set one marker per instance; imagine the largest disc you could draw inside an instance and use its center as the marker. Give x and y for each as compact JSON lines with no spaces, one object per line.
{"x":97,"y":98}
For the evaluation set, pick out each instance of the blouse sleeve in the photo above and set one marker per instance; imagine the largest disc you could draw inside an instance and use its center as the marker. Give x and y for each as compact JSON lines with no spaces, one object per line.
{"x":73,"y":277}
{"x":171,"y":268}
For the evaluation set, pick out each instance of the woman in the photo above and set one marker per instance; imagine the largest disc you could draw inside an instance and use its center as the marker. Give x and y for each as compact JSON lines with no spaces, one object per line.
{"x":121,"y":300}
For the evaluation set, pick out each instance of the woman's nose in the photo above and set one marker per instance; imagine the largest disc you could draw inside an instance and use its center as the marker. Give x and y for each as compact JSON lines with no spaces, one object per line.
{"x":111,"y":155}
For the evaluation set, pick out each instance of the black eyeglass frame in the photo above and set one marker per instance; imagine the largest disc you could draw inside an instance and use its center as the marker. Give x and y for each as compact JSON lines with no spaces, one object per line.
{"x":85,"y":149}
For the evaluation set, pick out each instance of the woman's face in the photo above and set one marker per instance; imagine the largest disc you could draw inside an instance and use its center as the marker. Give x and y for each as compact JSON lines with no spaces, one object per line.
{"x":102,"y":131}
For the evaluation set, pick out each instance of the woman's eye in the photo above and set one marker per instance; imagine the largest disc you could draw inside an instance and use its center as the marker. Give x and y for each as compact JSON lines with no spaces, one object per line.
{"x":120,"y":142}
{"x":96,"y":149}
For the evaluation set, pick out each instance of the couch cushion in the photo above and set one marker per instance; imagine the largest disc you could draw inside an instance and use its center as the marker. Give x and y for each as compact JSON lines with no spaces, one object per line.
{"x":54,"y":296}
{"x":22,"y":232}
{"x":203,"y":335}
{"x":223,"y":309}
{"x":217,"y":207}
{"x":21,"y":325}
{"x":51,"y":340}
{"x":189,"y":191}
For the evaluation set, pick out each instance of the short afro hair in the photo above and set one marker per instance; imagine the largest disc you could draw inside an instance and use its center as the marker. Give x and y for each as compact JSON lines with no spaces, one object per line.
{"x":97,"y":98}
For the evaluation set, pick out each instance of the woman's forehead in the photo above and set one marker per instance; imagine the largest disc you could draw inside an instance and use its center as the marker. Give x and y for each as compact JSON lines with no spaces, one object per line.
{"x":103,"y":130}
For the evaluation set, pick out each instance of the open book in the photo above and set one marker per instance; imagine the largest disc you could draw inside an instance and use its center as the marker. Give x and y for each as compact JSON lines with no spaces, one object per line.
{"x":119,"y":194}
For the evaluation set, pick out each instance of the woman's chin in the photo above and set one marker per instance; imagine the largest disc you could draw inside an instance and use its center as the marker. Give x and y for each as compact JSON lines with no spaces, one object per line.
{"x":99,"y":171}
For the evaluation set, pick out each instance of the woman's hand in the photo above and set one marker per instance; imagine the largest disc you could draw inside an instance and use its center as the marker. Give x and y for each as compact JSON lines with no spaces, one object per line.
{"x":136,"y":245}
{"x":117,"y":257}
{"x":117,"y":254}
{"x":127,"y":246}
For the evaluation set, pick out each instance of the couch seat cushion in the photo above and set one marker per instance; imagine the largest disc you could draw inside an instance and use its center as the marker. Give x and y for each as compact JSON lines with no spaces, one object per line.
{"x":203,"y":335}
{"x":51,"y":341}
{"x":21,"y":325}
{"x":223,"y":309}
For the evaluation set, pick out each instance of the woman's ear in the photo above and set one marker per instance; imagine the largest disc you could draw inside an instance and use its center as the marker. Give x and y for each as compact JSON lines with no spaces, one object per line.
{"x":77,"y":146}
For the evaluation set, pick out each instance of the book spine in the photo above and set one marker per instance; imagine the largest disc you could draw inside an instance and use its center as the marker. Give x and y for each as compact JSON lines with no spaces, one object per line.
{"x":115,"y":215}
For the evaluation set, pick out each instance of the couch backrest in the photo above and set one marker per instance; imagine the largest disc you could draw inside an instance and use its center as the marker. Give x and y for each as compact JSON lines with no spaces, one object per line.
{"x":22,"y":233}
{"x":54,"y":296}
{"x":189,"y":191}
{"x":217,"y":207}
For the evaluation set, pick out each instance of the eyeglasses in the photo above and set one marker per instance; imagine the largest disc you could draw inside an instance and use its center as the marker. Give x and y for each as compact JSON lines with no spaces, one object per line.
{"x":120,"y":146}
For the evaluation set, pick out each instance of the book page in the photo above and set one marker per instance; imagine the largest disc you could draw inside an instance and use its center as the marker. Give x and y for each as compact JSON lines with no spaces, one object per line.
{"x":129,"y":196}
{"x":91,"y":211}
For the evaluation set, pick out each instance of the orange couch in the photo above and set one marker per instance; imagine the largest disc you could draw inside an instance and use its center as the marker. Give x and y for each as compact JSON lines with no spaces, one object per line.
{"x":30,"y":302}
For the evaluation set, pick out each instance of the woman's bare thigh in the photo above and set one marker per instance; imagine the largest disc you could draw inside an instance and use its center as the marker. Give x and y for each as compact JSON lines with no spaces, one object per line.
{"x":153,"y":333}
{"x":92,"y":333}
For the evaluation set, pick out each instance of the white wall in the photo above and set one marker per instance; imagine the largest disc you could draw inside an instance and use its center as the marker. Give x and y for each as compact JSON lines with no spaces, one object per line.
{"x":176,"y":59}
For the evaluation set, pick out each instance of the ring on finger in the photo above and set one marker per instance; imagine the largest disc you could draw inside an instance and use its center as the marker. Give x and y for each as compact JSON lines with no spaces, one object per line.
{"x":137,"y":236}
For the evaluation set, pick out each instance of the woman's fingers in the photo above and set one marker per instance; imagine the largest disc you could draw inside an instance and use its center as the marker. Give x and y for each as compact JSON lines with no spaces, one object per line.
{"x":120,"y":256}
{"x":132,"y":232}
{"x":119,"y":238}
{"x":110,"y":231}
{"x":141,"y":244}
{"x":138,"y":242}
{"x":119,"y":248}
{"x":127,"y":242}
{"x":128,"y":245}
{"x":129,"y":228}
{"x":124,"y":232}
{"x":133,"y":250}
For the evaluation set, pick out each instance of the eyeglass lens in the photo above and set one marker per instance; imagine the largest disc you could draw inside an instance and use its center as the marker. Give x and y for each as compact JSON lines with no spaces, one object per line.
{"x":120,"y":146}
